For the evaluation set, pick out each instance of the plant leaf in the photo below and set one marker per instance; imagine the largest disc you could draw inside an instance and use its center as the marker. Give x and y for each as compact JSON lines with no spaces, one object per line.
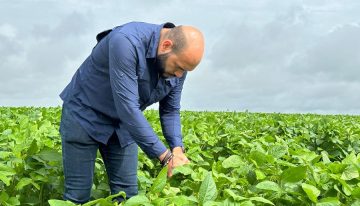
{"x":311,"y":191}
{"x":232,"y":161}
{"x":261,"y":199}
{"x":350,"y":172}
{"x":329,"y":201}
{"x":137,"y":200}
{"x":60,"y":203}
{"x":268,"y":185}
{"x":294,"y":174}
{"x":23,"y":182}
{"x":160,"y":181}
{"x":208,"y":189}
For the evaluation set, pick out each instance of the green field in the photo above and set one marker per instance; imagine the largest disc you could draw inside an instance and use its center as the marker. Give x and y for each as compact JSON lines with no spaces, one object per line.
{"x":236,"y":159}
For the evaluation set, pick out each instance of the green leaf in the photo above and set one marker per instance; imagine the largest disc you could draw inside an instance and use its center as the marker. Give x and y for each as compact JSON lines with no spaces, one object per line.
{"x":207,"y":189}
{"x":60,"y":203}
{"x":347,"y":189}
{"x":259,"y":157}
{"x":261,"y":199}
{"x":5,"y":176}
{"x":23,"y":182}
{"x":350,"y":172}
{"x":232,"y":194}
{"x":33,"y":148}
{"x":251,"y":177}
{"x":356,"y":203}
{"x":160,"y":181}
{"x":184,"y":169}
{"x":294,"y":174}
{"x":311,"y":191}
{"x":105,"y":201}
{"x":336,"y":167}
{"x":137,"y":200}
{"x":180,"y":200}
{"x":50,"y":155}
{"x":246,"y":203}
{"x":350,"y":159}
{"x":212,"y":203}
{"x":329,"y":201}
{"x":5,"y":155}
{"x":121,"y":193}
{"x":325,"y":157}
{"x":160,"y":202}
{"x":278,"y":151}
{"x":232,"y":161}
{"x":3,"y":196}
{"x":268,"y":185}
{"x":7,"y":132}
{"x":13,"y":201}
{"x":356,"y":192}
{"x":6,"y":173}
{"x":259,"y":175}
{"x":5,"y":179}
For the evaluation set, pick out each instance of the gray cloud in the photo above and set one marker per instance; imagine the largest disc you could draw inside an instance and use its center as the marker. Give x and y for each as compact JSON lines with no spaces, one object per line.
{"x":335,"y":55}
{"x":273,"y":56}
{"x":49,"y":54}
{"x":8,"y":48}
{"x":283,"y":65}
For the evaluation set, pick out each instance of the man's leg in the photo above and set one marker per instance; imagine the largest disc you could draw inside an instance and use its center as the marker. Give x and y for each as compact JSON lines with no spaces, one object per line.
{"x":79,"y":153}
{"x":121,"y":166}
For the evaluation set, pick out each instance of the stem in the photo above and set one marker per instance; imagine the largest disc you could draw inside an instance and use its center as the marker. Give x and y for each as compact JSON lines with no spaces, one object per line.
{"x":41,"y":194}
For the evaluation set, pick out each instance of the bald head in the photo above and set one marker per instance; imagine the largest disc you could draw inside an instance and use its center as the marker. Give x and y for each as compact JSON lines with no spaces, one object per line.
{"x":187,"y":43}
{"x":180,"y":49}
{"x":194,"y":49}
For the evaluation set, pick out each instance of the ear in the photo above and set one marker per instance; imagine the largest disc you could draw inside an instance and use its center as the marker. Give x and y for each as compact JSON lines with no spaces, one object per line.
{"x":166,"y":45}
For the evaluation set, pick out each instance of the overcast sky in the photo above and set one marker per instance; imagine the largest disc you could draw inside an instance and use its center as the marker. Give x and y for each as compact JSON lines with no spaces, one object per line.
{"x":261,"y":56}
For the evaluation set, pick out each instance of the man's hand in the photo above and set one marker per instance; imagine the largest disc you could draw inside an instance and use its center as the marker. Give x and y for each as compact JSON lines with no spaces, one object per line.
{"x":178,"y":160}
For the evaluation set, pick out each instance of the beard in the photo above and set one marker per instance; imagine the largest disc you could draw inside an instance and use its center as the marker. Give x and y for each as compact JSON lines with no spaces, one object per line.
{"x":161,"y":62}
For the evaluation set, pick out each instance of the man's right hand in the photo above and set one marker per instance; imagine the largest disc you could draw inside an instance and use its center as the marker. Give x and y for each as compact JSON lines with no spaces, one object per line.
{"x":178,"y":160}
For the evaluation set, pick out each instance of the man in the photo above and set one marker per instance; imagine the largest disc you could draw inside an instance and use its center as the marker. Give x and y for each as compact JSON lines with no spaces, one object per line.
{"x":131,"y":67}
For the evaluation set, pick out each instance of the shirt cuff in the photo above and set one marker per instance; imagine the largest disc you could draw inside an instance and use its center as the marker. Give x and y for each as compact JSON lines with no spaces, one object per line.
{"x":177,"y":143}
{"x":156,"y":150}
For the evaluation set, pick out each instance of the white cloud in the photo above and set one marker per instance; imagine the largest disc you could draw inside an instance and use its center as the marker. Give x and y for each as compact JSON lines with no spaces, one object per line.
{"x":7,"y":30}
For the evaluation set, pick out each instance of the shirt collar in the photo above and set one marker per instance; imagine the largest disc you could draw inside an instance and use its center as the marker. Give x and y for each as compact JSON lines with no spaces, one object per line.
{"x":154,"y":41}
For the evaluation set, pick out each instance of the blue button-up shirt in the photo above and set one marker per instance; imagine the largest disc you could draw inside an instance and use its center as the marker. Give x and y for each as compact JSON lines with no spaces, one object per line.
{"x":118,"y":81}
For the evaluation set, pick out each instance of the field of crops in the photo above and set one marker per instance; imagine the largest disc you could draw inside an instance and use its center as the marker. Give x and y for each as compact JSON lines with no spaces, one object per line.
{"x":236,"y":159}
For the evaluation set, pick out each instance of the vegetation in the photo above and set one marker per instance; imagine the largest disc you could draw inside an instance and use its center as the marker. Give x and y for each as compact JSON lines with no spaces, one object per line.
{"x":236,"y":159}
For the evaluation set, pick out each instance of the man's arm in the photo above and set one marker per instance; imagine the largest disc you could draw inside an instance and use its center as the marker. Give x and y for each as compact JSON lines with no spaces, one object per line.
{"x":169,"y":112}
{"x":123,"y":80}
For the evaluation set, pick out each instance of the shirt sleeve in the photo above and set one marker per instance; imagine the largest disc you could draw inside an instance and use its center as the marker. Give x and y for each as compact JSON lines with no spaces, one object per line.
{"x":124,"y":84}
{"x":169,"y":111}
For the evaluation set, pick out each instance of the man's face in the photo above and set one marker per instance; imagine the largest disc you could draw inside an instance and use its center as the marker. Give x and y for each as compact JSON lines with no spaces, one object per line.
{"x":170,"y":65}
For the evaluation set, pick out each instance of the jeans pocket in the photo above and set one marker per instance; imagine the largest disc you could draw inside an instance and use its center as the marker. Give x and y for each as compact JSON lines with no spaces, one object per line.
{"x":70,"y":128}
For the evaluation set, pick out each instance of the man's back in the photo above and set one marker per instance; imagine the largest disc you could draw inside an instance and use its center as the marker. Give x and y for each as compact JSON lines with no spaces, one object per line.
{"x":90,"y":93}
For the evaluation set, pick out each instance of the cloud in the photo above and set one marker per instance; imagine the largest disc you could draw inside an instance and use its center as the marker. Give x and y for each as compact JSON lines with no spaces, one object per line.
{"x":273,"y":56}
{"x":9,"y":46}
{"x":34,"y":65}
{"x":285,"y":64}
{"x":336,"y":55}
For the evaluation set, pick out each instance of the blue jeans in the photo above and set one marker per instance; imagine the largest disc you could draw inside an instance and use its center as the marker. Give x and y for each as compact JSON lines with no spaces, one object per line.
{"x":79,"y":153}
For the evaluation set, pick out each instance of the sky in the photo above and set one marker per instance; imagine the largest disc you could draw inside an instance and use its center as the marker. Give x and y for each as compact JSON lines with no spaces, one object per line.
{"x":298,"y":56}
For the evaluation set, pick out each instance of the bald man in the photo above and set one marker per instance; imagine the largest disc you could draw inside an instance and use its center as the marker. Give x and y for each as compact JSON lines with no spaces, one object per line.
{"x":131,"y":67}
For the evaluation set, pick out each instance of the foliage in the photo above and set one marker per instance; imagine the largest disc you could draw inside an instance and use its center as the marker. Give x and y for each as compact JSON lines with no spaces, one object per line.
{"x":236,"y":159}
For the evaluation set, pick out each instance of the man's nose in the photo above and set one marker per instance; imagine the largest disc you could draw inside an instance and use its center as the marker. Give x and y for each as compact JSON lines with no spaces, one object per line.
{"x":179,"y":74}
